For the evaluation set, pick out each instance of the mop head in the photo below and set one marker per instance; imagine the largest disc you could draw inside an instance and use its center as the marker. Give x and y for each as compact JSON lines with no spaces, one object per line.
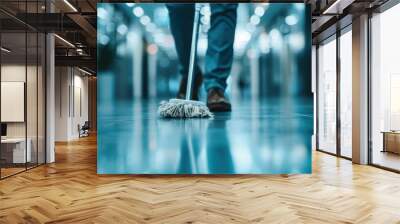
{"x":177,"y":108}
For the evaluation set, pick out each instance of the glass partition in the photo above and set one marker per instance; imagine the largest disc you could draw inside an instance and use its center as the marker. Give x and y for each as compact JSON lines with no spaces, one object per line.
{"x":346,"y":93}
{"x":22,"y":91}
{"x":14,"y":151}
{"x":385,"y":89}
{"x":31,"y":100}
{"x":327,"y":96}
{"x":41,"y":107}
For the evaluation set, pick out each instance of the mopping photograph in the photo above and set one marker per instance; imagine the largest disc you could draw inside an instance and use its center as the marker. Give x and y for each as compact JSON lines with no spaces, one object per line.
{"x":204,"y":88}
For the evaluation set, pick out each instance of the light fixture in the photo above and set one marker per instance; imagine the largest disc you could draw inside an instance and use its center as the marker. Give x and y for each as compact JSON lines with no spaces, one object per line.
{"x":259,"y":11}
{"x":138,"y":11}
{"x":152,"y":49}
{"x":122,"y":29}
{"x":291,"y":20}
{"x":70,"y":5}
{"x":102,"y":13}
{"x":255,"y":20}
{"x":84,"y":71}
{"x":79,"y":51}
{"x":65,"y":41}
{"x":145,"y":20}
{"x":5,"y":50}
{"x":335,"y":7}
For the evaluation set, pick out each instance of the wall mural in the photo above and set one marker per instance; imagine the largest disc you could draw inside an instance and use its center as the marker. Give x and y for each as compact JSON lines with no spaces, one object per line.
{"x":247,"y":110}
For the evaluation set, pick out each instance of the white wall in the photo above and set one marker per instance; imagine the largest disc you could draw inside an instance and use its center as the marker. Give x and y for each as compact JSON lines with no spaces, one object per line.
{"x":314,"y":91}
{"x":17,"y":73}
{"x":81,"y":84}
{"x":70,"y":83}
{"x":33,"y":126}
{"x":62,"y":82}
{"x":12,"y":73}
{"x":13,"y":101}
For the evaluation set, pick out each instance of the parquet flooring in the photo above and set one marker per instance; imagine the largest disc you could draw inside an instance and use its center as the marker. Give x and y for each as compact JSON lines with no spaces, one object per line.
{"x":70,"y":191}
{"x":10,"y":171}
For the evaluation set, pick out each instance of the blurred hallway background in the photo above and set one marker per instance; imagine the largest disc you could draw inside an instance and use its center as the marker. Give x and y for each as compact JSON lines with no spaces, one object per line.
{"x":137,"y":56}
{"x":270,"y":127}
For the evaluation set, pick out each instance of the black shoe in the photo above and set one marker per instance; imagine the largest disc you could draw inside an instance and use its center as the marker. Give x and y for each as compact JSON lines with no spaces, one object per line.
{"x":196,"y":87}
{"x":216,"y":101}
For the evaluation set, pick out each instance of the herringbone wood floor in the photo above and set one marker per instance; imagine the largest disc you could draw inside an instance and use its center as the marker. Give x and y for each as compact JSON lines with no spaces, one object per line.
{"x":70,"y":191}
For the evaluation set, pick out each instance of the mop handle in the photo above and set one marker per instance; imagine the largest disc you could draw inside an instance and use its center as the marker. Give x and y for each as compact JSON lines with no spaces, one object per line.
{"x":193,"y":50}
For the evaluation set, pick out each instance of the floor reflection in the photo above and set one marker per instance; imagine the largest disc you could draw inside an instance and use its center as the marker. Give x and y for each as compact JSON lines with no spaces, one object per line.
{"x":268,"y":136}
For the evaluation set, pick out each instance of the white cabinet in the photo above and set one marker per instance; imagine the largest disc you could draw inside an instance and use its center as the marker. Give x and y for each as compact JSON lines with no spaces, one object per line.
{"x":18,"y":149}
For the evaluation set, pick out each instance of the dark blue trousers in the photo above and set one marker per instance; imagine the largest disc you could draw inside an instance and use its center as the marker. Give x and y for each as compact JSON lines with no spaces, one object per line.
{"x":219,"y":55}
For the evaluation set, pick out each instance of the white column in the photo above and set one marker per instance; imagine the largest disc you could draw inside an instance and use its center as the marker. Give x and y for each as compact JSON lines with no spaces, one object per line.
{"x":152,"y":72}
{"x":50,"y":92}
{"x":135,"y":40}
{"x":50,"y":99}
{"x":314,"y":91}
{"x":360,"y":90}
{"x":254,"y":73}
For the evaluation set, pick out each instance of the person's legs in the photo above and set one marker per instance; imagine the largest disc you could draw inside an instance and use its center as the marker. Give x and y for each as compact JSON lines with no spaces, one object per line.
{"x":181,"y":16}
{"x":219,"y":56}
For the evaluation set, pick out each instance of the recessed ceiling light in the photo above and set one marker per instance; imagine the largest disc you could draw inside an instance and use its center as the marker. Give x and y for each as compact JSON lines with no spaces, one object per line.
{"x":70,"y":5}
{"x":333,"y":8}
{"x":65,"y":41}
{"x":84,"y":71}
{"x":5,"y":50}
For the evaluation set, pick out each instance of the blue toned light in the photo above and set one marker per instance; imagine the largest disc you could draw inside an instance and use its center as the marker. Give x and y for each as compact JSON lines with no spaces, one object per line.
{"x":138,"y":11}
{"x":296,"y":41}
{"x":275,"y":38}
{"x":259,"y":11}
{"x":122,"y":29}
{"x":144,"y":20}
{"x":299,"y":6}
{"x":103,"y":39}
{"x":270,"y":127}
{"x":102,"y":13}
{"x":263,"y":43}
{"x":255,"y":20}
{"x":291,"y":20}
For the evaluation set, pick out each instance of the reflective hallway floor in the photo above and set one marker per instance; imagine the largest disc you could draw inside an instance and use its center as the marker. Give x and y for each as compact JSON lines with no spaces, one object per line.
{"x":258,"y":137}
